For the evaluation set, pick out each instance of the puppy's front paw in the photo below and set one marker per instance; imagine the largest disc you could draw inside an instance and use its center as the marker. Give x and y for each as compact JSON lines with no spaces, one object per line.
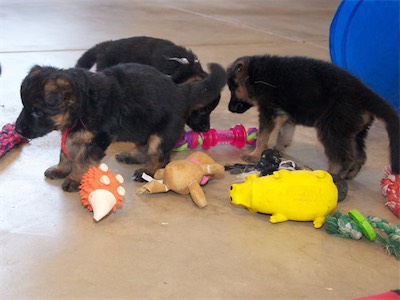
{"x":55,"y":173}
{"x":137,"y":175}
{"x":250,"y":158}
{"x":70,"y":185}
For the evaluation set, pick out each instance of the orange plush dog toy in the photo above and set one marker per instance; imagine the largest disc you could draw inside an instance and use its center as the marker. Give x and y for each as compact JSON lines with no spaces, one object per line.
{"x":185,"y":177}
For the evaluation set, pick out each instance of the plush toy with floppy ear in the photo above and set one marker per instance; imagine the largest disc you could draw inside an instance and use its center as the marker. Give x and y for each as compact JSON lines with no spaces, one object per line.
{"x":185,"y":177}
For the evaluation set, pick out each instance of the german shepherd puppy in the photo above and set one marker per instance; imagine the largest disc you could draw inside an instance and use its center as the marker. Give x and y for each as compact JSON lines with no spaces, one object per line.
{"x":128,"y":102}
{"x":176,"y":61}
{"x":290,"y":91}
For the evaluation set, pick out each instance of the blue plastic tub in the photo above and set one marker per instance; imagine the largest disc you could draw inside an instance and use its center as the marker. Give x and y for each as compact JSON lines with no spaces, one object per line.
{"x":364,"y":39}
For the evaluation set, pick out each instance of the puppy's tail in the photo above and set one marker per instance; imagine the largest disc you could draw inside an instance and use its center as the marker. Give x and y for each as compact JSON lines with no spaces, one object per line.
{"x":384,"y":111}
{"x":204,"y":92}
{"x":89,"y":58}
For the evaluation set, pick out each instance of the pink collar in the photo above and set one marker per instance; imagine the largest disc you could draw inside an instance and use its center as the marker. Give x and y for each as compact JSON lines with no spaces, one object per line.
{"x":205,"y":178}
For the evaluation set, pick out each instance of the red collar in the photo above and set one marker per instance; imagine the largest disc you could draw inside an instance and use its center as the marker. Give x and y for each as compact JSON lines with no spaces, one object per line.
{"x":63,"y":143}
{"x":64,"y":135}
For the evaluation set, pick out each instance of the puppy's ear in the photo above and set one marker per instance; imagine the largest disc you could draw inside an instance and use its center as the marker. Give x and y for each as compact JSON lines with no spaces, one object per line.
{"x":56,"y":91}
{"x":35,"y":70}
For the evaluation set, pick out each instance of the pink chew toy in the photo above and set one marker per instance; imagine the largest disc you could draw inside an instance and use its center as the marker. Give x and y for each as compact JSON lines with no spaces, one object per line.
{"x":236,"y":136}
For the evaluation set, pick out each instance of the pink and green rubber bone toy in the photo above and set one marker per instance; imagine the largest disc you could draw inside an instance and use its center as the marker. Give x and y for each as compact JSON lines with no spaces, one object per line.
{"x":236,"y":136}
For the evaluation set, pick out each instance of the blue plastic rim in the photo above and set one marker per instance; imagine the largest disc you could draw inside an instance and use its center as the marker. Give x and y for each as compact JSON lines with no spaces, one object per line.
{"x":365,"y":40}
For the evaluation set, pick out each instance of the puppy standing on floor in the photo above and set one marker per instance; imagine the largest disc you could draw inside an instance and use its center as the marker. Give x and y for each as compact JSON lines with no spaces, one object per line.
{"x":173,"y":60}
{"x":129,"y":102}
{"x":290,"y":91}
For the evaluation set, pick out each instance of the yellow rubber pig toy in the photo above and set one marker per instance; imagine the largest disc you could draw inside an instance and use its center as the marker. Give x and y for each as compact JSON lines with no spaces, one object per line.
{"x":300,"y":195}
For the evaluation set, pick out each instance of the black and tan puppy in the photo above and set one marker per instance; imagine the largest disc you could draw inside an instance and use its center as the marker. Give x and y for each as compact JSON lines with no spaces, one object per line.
{"x":128,"y":102}
{"x":173,"y":60}
{"x":290,"y":91}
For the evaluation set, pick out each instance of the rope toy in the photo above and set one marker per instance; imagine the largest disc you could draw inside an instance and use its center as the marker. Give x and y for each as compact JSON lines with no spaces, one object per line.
{"x":355,"y":226}
{"x":9,"y":139}
{"x":390,"y":188}
{"x":101,"y":191}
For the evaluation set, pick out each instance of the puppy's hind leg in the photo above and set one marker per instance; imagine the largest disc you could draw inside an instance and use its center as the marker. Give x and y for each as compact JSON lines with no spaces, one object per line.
{"x":360,"y":155}
{"x":338,"y":149}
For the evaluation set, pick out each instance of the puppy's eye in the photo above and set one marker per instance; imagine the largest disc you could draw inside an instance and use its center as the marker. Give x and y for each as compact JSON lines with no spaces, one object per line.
{"x":238,"y":68}
{"x":37,"y":114}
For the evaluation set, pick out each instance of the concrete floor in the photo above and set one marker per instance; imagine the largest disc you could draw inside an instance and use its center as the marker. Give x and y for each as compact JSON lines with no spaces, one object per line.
{"x":162,"y":246}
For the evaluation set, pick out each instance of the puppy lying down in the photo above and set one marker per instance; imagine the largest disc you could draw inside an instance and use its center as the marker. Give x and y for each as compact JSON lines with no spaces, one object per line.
{"x":128,"y":102}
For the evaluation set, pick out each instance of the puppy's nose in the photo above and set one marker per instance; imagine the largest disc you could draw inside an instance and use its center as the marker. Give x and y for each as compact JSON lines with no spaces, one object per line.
{"x":204,"y":127}
{"x":200,"y":127}
{"x":20,"y":129}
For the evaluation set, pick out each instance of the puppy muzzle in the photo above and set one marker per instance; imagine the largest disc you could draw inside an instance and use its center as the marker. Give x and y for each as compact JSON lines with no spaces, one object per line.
{"x":30,"y":131}
{"x":237,"y":106}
